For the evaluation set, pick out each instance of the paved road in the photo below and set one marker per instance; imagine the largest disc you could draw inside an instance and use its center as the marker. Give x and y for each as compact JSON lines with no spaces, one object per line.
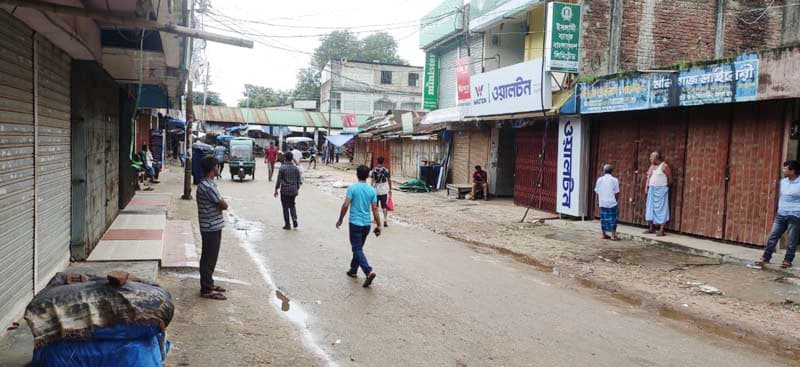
{"x":436,"y":302}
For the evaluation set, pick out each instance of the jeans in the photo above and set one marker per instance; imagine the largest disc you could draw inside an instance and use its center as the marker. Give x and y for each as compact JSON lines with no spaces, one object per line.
{"x":288,"y":203}
{"x":208,"y":259}
{"x":782,"y":224}
{"x":270,"y":169}
{"x":358,"y":236}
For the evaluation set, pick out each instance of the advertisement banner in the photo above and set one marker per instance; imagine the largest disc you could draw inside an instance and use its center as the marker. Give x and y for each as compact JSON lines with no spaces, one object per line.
{"x":349,"y":123}
{"x":572,"y":167}
{"x":462,"y":79}
{"x":512,"y":89}
{"x":721,"y":83}
{"x":563,"y":37}
{"x":623,"y":94}
{"x":431,"y":85}
{"x":485,"y":13}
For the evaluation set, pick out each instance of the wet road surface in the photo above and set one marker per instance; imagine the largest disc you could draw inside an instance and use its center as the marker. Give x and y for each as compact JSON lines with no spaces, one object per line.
{"x":435,"y":302}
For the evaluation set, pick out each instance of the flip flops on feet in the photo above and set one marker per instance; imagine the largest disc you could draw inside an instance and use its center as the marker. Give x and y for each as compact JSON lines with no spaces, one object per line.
{"x":352,"y":274}
{"x":369,"y":280}
{"x":786,"y":265}
{"x":213,"y":295}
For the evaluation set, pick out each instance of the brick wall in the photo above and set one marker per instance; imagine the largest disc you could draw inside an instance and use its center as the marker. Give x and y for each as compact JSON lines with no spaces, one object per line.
{"x":659,"y":33}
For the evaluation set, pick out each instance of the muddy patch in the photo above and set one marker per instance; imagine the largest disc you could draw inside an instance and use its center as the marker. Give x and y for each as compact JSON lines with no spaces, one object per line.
{"x":757,"y":286}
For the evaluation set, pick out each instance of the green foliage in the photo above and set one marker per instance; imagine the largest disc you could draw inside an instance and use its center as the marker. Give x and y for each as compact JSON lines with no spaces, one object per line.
{"x":212,"y":99}
{"x":307,"y":84}
{"x":260,"y":97}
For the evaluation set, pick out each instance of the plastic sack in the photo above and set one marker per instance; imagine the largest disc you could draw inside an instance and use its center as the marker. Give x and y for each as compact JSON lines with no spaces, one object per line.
{"x":117,"y":346}
{"x":390,"y":203}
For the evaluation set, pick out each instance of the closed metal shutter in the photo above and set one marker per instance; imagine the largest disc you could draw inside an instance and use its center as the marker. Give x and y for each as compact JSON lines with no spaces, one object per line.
{"x":460,"y":164}
{"x":16,"y":167}
{"x":54,"y":174}
{"x":476,"y":51}
{"x":447,"y":78}
{"x":535,"y":174}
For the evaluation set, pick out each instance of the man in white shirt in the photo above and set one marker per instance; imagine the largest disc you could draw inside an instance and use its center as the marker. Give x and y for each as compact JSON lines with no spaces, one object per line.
{"x":297,"y":156}
{"x":607,"y":189}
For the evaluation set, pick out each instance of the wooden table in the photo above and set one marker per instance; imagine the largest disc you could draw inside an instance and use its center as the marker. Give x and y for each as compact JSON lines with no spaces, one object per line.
{"x":460,"y":189}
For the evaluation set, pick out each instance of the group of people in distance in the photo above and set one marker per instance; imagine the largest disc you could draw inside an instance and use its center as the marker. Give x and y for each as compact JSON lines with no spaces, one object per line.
{"x":361,"y":201}
{"x":659,"y":179}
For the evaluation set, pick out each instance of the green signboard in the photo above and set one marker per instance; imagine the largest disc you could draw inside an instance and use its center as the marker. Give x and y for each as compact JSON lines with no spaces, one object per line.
{"x":442,"y":21}
{"x":486,"y":13}
{"x":431,"y":86}
{"x":563,"y":37}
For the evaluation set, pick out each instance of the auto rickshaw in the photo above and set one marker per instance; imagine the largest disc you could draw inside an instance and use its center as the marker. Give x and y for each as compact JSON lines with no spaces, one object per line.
{"x":241,"y":161}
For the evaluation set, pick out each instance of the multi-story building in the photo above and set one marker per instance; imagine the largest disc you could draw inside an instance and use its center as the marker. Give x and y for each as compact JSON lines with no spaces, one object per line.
{"x":363,"y":87}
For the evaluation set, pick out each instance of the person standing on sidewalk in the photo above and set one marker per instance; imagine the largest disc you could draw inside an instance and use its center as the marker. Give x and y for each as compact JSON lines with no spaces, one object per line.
{"x":361,"y":200}
{"x":382,"y":182}
{"x":270,"y":158}
{"x":210,"y":205}
{"x":659,"y":177}
{"x":288,"y":185}
{"x":788,"y":216}
{"x":607,"y":188}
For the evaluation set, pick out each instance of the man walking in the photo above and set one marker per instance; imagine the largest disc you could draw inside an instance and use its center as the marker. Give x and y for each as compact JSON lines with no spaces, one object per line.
{"x":210,"y":205}
{"x":312,"y":157}
{"x":659,"y":177}
{"x":788,"y":216}
{"x":270,"y":158}
{"x":219,"y":154}
{"x":607,"y":188}
{"x":288,"y":185}
{"x":361,"y":199}
{"x":382,"y":183}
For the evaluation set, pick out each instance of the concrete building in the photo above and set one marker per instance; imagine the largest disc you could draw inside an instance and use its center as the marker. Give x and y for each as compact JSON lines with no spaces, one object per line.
{"x":362,"y":87}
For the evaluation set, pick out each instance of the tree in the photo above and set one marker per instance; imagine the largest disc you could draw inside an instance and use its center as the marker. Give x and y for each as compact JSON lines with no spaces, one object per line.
{"x":380,"y":47}
{"x":307,"y":84}
{"x":335,"y":46}
{"x":212,"y":99}
{"x":260,"y":97}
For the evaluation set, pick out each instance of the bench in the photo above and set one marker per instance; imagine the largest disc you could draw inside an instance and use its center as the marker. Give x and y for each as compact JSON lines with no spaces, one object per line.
{"x":460,"y":189}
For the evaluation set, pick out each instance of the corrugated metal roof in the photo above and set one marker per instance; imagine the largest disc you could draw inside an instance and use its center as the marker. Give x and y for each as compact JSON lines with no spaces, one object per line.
{"x":273,"y":116}
{"x":319,"y":119}
{"x":289,"y":118}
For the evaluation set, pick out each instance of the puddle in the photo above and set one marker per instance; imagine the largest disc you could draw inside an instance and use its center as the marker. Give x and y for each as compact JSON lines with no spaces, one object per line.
{"x":749,"y":285}
{"x":196,"y":275}
{"x":249,"y":234}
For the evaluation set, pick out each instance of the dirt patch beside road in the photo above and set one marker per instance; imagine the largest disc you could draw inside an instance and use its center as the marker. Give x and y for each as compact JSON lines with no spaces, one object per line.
{"x":757,"y":307}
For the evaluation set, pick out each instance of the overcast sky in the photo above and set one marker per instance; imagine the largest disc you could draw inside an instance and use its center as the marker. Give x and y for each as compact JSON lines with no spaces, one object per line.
{"x":232,"y":67}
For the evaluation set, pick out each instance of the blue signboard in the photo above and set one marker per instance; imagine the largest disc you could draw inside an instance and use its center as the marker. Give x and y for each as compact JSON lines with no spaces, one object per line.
{"x":623,"y":94}
{"x":721,"y":83}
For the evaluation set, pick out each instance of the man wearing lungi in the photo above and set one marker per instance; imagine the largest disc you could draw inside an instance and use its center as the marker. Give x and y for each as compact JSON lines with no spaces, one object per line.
{"x":659,"y":177}
{"x":607,"y":189}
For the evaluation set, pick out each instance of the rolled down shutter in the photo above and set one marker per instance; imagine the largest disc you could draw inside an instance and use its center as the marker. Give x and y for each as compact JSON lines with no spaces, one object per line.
{"x":447,"y":78}
{"x":16,"y":167}
{"x":54,"y":175}
{"x":460,"y":165}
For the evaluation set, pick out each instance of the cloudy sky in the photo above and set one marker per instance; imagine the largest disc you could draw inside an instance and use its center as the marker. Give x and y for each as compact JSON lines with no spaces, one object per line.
{"x":274,"y":25}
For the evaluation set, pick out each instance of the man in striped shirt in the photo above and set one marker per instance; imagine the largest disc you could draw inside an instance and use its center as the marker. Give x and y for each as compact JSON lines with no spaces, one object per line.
{"x":210,"y":205}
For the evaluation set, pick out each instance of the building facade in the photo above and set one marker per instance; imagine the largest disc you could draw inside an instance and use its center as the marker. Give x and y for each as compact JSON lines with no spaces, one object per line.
{"x":369,"y":88}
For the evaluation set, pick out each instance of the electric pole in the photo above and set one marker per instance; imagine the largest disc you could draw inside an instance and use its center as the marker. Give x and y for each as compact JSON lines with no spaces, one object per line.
{"x":187,"y":169}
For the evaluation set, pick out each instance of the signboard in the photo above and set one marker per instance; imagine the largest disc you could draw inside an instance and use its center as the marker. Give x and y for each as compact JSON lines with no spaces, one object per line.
{"x":408,"y":122}
{"x":349,"y":123}
{"x":305,"y":104}
{"x":512,"y":89}
{"x":735,"y":81}
{"x":485,"y":13}
{"x":563,"y":37}
{"x":623,"y":94}
{"x":462,"y":79}
{"x":441,"y":22}
{"x":572,"y":166}
{"x":430,"y":87}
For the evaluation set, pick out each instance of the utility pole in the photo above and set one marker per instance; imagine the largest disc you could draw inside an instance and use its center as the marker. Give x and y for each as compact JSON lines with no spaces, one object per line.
{"x":187,"y":170}
{"x":205,"y":90}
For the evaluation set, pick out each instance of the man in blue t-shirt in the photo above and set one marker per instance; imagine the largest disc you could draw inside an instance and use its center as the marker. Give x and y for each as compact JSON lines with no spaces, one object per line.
{"x":362,"y":200}
{"x":788,"y":217}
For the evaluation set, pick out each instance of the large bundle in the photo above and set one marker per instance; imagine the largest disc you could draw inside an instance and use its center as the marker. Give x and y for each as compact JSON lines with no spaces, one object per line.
{"x":86,"y":320}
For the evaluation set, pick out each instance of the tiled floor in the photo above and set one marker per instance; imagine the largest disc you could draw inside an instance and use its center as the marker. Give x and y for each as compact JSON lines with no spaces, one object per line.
{"x":180,"y":248}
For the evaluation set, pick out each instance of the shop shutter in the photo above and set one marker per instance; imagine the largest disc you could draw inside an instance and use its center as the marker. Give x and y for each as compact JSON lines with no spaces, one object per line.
{"x":447,"y":78}
{"x":54,"y":176}
{"x":755,"y":160}
{"x":476,"y":50}
{"x":529,"y":166}
{"x":16,"y":167}
{"x":460,"y":161}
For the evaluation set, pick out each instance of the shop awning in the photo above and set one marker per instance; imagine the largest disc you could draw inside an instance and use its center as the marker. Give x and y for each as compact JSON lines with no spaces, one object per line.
{"x":236,"y":128}
{"x":451,"y":114}
{"x":339,"y":140}
{"x":176,"y":124}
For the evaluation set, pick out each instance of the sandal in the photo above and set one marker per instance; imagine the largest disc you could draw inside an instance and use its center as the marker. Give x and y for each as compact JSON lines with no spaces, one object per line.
{"x":219,"y":289}
{"x":786,"y":265}
{"x":213,"y":295}
{"x":761,"y":262}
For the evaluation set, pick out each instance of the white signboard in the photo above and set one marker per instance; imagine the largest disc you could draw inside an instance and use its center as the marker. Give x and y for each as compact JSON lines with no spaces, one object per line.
{"x":512,"y":89}
{"x":573,"y":169}
{"x":305,"y":104}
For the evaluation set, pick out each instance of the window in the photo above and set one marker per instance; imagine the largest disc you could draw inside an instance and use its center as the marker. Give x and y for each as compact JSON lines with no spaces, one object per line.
{"x":413,"y":79}
{"x":383,"y":106}
{"x":410,"y":106}
{"x":336,"y":97}
{"x":386,"y":77}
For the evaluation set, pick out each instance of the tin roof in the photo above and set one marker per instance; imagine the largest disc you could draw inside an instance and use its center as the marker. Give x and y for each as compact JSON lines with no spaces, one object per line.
{"x":273,"y":116}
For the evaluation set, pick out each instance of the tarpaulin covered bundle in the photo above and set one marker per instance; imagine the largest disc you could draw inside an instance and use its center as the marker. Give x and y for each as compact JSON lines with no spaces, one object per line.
{"x":118,"y":319}
{"x":414,"y":185}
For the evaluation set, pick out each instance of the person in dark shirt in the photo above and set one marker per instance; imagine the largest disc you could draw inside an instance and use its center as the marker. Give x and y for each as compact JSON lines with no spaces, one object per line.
{"x":210,"y":205}
{"x":288,"y":185}
{"x":480,"y":183}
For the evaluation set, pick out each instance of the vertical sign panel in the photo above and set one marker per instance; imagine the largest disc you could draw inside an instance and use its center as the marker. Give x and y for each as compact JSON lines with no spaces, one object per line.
{"x":462,"y":80}
{"x":563,"y":37}
{"x":572,"y":166}
{"x":431,"y":85}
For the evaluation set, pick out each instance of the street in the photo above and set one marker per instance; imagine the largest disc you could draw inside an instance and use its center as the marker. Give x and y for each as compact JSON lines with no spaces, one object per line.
{"x":435,"y":302}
